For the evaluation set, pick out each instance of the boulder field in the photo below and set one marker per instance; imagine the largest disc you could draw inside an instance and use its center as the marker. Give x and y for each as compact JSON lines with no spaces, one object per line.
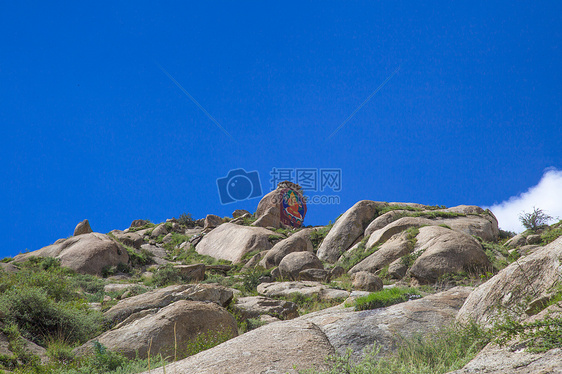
{"x":278,"y":299}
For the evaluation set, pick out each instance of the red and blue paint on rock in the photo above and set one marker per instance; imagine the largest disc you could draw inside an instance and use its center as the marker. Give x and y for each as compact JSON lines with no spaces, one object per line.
{"x":292,"y":208}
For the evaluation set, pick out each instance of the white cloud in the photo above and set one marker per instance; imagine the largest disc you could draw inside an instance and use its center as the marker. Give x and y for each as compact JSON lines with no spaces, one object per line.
{"x":546,"y":195}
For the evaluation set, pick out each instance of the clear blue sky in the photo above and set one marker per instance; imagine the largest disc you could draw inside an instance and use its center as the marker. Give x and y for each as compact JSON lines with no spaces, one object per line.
{"x":92,"y":127}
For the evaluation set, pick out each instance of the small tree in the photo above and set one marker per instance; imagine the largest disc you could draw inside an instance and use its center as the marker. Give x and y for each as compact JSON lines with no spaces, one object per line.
{"x":535,"y":219}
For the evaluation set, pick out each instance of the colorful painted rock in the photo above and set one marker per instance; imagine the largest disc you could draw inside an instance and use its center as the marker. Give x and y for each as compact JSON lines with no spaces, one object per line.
{"x":292,"y":207}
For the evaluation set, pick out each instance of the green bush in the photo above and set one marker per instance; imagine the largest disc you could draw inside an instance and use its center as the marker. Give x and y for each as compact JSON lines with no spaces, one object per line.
{"x":318,"y":235}
{"x":539,"y":336}
{"x":353,"y":257}
{"x":186,"y":220}
{"x":537,"y":218}
{"x":386,"y":297}
{"x":40,"y":317}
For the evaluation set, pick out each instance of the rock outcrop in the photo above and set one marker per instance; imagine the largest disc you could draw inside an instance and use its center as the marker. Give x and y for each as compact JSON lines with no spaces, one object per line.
{"x":162,"y":297}
{"x":231,"y":242}
{"x":280,"y":347}
{"x":86,"y":253}
{"x":82,"y":228}
{"x":446,"y":251}
{"x":531,"y":277}
{"x":347,"y":229}
{"x":295,"y":262}
{"x":180,"y":322}
{"x":298,"y":242}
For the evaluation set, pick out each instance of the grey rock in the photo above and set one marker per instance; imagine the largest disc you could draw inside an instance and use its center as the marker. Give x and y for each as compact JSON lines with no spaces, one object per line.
{"x":276,"y":348}
{"x":347,"y":229}
{"x":82,"y":228}
{"x":365,"y":281}
{"x":86,"y":253}
{"x":306,"y":288}
{"x":531,"y":276}
{"x":318,"y":275}
{"x":181,"y":322}
{"x":254,"y":306}
{"x":212,"y":221}
{"x":396,"y":247}
{"x":348,"y":329}
{"x":446,"y":251}
{"x":292,"y":264}
{"x":231,"y":242}
{"x":162,"y":297}
{"x":517,"y":241}
{"x":298,"y":242}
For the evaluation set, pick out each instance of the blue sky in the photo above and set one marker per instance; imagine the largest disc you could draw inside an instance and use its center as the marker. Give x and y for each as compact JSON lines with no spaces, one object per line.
{"x":93,"y":127}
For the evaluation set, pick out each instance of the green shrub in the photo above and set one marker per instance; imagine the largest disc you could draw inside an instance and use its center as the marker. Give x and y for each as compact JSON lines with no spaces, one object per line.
{"x":39,"y":316}
{"x":386,"y":297}
{"x":537,"y":218}
{"x":318,"y":235}
{"x":353,"y":257}
{"x":140,"y":257}
{"x":166,"y":275}
{"x":308,"y":304}
{"x":207,"y":340}
{"x":539,"y":336}
{"x":186,"y":220}
{"x":552,"y":234}
{"x":88,"y":283}
{"x":251,"y":279}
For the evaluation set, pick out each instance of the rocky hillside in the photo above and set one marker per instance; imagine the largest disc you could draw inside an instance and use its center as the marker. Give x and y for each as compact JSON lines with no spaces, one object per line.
{"x":379,"y":290}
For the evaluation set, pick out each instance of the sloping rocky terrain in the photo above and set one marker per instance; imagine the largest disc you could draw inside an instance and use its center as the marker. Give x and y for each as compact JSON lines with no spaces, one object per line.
{"x":244,"y":294}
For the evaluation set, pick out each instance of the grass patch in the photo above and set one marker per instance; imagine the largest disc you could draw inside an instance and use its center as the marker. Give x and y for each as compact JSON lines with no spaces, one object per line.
{"x":149,"y":225}
{"x":318,"y":235}
{"x":552,"y":234}
{"x":386,"y":297}
{"x":308,"y":304}
{"x":189,"y":256}
{"x":353,"y":257}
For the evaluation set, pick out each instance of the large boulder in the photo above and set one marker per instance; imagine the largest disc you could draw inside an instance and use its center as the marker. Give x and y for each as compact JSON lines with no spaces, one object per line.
{"x":383,"y":220}
{"x":82,"y":228}
{"x":381,"y":235}
{"x":347,"y":229}
{"x":365,"y":281}
{"x":271,"y":218}
{"x":531,"y":277}
{"x":347,"y":329}
{"x":446,"y":251}
{"x":298,"y":242}
{"x":160,"y":230}
{"x":280,"y":347}
{"x":517,"y":241}
{"x":212,"y":221}
{"x":180,"y":322}
{"x":231,"y":242}
{"x":131,"y":239}
{"x":86,"y":253}
{"x":396,"y":247}
{"x":484,"y":226}
{"x":162,"y":297}
{"x":292,"y":264}
{"x":273,"y":211}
